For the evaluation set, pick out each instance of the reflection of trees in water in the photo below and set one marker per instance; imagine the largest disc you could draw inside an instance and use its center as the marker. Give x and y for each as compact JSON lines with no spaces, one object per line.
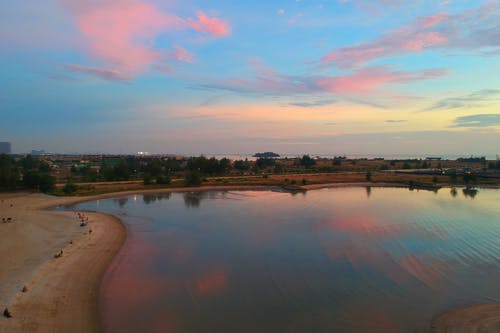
{"x":368,"y":191}
{"x":122,"y":202}
{"x":453,"y":192}
{"x":294,"y":193}
{"x":164,"y":196}
{"x":194,"y":199}
{"x":470,"y":192}
{"x":150,"y":198}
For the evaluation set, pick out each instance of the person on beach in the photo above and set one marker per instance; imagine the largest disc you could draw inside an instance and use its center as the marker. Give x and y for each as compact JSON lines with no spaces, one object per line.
{"x":58,"y":255}
{"x":6,"y":313}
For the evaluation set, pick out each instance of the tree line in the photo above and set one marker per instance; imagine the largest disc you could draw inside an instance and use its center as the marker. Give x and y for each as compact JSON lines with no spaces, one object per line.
{"x":27,"y":172}
{"x":30,"y":172}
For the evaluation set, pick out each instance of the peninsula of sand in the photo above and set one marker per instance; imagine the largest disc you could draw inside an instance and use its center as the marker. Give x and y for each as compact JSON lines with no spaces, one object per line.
{"x":45,"y":293}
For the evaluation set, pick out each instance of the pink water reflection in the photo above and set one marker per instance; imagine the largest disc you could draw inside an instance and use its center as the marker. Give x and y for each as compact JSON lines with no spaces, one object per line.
{"x":324,"y":262}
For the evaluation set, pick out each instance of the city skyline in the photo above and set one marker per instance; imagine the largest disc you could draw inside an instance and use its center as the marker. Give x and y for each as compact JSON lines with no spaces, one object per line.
{"x":351,"y":77}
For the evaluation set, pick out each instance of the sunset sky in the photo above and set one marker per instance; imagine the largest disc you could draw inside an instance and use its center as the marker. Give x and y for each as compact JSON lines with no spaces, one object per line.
{"x":226,"y":77}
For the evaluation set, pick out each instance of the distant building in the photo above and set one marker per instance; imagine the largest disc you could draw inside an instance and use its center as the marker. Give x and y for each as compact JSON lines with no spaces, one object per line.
{"x":38,"y":152}
{"x":5,"y":148}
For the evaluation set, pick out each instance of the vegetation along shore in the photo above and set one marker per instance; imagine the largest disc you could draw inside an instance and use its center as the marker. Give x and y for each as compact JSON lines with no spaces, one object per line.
{"x":96,"y":174}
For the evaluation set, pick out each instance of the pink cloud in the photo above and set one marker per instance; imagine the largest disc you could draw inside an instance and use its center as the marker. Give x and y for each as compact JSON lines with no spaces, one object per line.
{"x":180,"y":54}
{"x":350,"y":56}
{"x":262,"y":70}
{"x":472,"y":30}
{"x":122,"y":33}
{"x":164,"y":68}
{"x":430,"y":21}
{"x":424,"y":40}
{"x":209,"y":25}
{"x":369,"y":79}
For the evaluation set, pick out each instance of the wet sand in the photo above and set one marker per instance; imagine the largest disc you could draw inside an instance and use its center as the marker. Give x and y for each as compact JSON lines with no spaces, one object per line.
{"x":478,"y":319}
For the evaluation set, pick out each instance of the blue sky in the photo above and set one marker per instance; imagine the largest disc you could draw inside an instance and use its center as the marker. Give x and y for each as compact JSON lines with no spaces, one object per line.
{"x":215,"y":77}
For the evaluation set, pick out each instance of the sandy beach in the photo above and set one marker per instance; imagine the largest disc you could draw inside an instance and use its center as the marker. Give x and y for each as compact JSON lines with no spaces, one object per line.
{"x":483,"y":318}
{"x":62,"y":293}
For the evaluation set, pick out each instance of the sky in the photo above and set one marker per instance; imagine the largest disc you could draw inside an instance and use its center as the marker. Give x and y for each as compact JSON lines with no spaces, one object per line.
{"x":353,"y":77}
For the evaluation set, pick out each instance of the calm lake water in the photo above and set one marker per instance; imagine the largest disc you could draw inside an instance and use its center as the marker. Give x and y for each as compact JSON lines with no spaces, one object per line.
{"x":332,"y":260}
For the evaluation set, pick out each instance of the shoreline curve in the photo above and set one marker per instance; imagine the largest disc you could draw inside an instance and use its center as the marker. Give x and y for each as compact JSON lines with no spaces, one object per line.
{"x":483,"y":318}
{"x":61,"y":293}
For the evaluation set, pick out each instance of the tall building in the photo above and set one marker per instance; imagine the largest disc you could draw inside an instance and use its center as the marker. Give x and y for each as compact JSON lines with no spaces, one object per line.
{"x":5,"y":148}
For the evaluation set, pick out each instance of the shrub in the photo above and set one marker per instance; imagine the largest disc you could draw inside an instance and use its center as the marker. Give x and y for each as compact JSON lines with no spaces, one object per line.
{"x":147,"y":178}
{"x":163,"y":180}
{"x":193,"y":178}
{"x":70,"y":188}
{"x":47,"y":183}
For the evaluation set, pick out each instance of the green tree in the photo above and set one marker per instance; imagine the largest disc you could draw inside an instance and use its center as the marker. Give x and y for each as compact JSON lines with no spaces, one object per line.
{"x":241,"y":165}
{"x":163,"y":179}
{"x":193,"y":178}
{"x":263,"y":163}
{"x":46,"y":182}
{"x":28,"y":163}
{"x":9,"y":174}
{"x":70,"y":187}
{"x":307,"y":161}
{"x":147,"y":178}
{"x":31,"y":179}
{"x":368,"y":176}
{"x":108,"y":173}
{"x":154,"y":168}
{"x":122,"y":171}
